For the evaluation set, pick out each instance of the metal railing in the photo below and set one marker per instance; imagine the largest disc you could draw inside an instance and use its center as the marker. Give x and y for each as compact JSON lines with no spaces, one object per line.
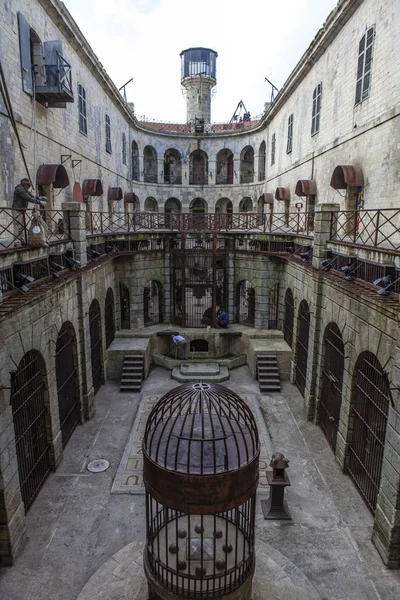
{"x":285,"y":223}
{"x":15,"y":226}
{"x":372,"y":228}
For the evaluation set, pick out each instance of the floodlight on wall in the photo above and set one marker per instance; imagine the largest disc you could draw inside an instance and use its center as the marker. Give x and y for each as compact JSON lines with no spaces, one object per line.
{"x":108,"y":248}
{"x":94,"y":253}
{"x":386,"y":284}
{"x":72,"y":263}
{"x":55,"y":266}
{"x":21,"y":280}
{"x":306,"y":255}
{"x":349,"y":271}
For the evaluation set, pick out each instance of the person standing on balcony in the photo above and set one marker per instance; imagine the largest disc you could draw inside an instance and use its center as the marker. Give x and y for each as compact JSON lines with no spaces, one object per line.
{"x":22,"y":197}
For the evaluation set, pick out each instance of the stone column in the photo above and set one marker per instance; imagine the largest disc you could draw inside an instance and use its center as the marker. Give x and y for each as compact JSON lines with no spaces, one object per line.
{"x":322,"y":231}
{"x":75,"y":215}
{"x":386,"y":535}
{"x":212,"y":165}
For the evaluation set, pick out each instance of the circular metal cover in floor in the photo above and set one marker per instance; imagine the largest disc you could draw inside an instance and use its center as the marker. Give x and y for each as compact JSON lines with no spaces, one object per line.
{"x":98,"y":466}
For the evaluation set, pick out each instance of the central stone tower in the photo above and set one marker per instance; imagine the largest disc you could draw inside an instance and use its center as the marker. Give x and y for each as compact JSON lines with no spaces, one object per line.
{"x":198,"y":77}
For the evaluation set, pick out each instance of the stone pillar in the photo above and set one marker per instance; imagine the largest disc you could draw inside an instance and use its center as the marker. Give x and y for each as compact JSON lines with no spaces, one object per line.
{"x":12,"y":512}
{"x":75,"y":215}
{"x":322,"y":231}
{"x":386,"y":535}
{"x":212,"y":165}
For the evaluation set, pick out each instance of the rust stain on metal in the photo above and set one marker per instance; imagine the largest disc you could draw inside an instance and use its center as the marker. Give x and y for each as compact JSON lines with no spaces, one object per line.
{"x":55,"y":175}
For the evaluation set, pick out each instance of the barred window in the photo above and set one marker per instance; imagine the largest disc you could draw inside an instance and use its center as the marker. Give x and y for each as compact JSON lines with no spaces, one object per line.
{"x":316,"y":109}
{"x":364,"y":65}
{"x":82,"y":109}
{"x":108,"y":134}
{"x":290,"y":134}
{"x":123,"y":149}
{"x":273,"y":147}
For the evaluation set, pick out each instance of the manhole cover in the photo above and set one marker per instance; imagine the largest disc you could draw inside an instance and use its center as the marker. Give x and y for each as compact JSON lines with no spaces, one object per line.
{"x":98,"y":466}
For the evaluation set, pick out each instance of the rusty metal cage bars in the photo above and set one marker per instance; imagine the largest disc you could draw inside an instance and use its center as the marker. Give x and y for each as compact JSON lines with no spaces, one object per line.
{"x":30,"y":417}
{"x":125,"y":306}
{"x":95,"y":345}
{"x":67,"y":382}
{"x":302,"y":346}
{"x":289,"y":318}
{"x":109,"y":319}
{"x":370,"y":410}
{"x":332,"y":381}
{"x":273,"y":307}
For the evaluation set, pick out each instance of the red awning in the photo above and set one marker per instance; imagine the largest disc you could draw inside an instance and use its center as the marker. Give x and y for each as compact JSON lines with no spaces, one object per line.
{"x":345,"y":175}
{"x":92,"y":187}
{"x":55,"y":175}
{"x":267,"y":198}
{"x":282,"y":193}
{"x":130,"y":198}
{"x":306,"y":187}
{"x":77,"y":193}
{"x":115,"y":193}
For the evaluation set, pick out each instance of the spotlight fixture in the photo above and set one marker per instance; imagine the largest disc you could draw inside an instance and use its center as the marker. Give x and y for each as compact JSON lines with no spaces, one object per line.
{"x":110,"y":248}
{"x":383,"y":281}
{"x":306,"y":255}
{"x":56,"y":267}
{"x":72,"y":263}
{"x":21,"y":280}
{"x":386,"y":284}
{"x":349,"y":271}
{"x":94,"y":253}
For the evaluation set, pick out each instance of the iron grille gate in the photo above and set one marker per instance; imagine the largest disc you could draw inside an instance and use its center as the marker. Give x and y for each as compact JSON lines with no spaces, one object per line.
{"x":289,"y":318}
{"x":95,"y":345}
{"x":245,"y":303}
{"x":370,"y":412}
{"x":199,"y":281}
{"x":302,"y":346}
{"x":273,"y":307}
{"x":30,"y":415}
{"x":67,"y":383}
{"x":152,"y":303}
{"x":332,"y":380}
{"x":109,"y":317}
{"x":125,"y":305}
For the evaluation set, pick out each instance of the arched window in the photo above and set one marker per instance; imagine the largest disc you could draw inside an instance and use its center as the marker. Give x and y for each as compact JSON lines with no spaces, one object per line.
{"x":302,"y":346}
{"x":67,"y":381}
{"x":123,"y":149}
{"x":289,"y":318}
{"x":125,"y":306}
{"x":245,"y":303}
{"x":96,"y":350}
{"x":198,"y":207}
{"x":198,"y":168}
{"x":172,"y":167}
{"x":332,"y":380}
{"x":151,"y":204}
{"x":261,"y":162}
{"x":246,"y":205}
{"x":152,"y":303}
{"x":247,"y":165}
{"x":224,"y":205}
{"x":31,"y":420}
{"x":150,"y":165}
{"x":224,"y":174}
{"x":135,"y":161}
{"x":370,"y":408}
{"x":273,"y":307}
{"x":172,"y":207}
{"x":109,"y":317}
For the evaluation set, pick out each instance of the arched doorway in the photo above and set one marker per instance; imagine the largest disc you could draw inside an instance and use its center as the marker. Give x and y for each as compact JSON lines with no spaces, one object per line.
{"x":67,"y":381}
{"x":246,"y":205}
{"x":198,"y":207}
{"x":289,"y":318}
{"x":152,"y":303}
{"x":172,"y":207}
{"x":95,"y":345}
{"x":198,"y":168}
{"x":273,"y":307}
{"x":245,"y":303}
{"x":172,"y":167}
{"x":224,"y":207}
{"x":150,"y":165}
{"x":224,"y":165}
{"x":369,"y":412}
{"x":30,"y":417}
{"x":125,"y":306}
{"x":135,"y":161}
{"x":109,"y":319}
{"x":247,"y":165}
{"x":302,"y":346}
{"x":332,"y":380}
{"x":151,"y":204}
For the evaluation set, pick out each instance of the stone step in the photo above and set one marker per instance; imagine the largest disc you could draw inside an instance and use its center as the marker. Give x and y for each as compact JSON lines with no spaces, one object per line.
{"x":138,"y":368}
{"x":130,"y":388}
{"x":270,"y":381}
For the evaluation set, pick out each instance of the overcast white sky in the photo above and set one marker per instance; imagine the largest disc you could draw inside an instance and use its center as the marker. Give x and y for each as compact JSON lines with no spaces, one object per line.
{"x":254,"y":39}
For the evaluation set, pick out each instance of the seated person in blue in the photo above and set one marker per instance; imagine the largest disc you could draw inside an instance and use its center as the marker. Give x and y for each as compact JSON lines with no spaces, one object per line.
{"x":222,"y":319}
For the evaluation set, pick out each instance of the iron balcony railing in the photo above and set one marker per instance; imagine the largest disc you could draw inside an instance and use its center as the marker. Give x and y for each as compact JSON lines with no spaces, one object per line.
{"x":371,"y":228}
{"x":285,"y":223}
{"x":15,"y":226}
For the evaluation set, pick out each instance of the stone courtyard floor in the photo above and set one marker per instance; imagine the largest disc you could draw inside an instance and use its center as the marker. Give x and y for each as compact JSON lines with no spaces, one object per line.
{"x":86,"y":543}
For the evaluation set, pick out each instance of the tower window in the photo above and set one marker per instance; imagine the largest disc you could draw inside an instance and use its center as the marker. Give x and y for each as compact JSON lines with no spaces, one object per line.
{"x":364,"y":65}
{"x":290,"y":135}
{"x":316,"y":109}
{"x":108,"y":134}
{"x":273,"y":148}
{"x":123,"y":149}
{"x":82,"y":109}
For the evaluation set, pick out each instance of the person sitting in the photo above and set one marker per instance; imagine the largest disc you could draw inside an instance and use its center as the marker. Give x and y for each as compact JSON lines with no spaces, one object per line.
{"x":207,"y":317}
{"x":222,"y":319}
{"x":180,"y":344}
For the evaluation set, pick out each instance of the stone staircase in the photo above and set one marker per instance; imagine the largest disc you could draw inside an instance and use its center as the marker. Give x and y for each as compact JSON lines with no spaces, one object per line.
{"x":132,"y":373}
{"x":268,"y":373}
